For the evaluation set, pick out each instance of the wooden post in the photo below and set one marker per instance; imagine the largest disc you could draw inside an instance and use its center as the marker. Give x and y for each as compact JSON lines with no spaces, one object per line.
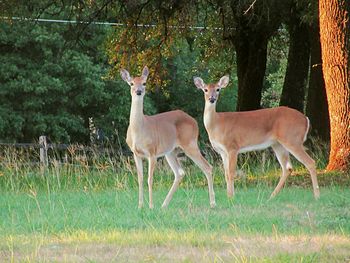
{"x":43,"y":151}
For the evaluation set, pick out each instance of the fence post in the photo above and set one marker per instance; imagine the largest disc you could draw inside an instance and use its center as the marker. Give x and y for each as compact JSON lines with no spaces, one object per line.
{"x":43,"y":151}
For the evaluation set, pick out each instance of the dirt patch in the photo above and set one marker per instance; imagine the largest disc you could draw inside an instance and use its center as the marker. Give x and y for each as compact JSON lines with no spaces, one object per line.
{"x":323,"y":248}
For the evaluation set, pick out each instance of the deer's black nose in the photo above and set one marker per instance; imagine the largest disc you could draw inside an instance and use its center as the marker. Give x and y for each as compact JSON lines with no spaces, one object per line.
{"x":138,"y":92}
{"x":212,"y":100}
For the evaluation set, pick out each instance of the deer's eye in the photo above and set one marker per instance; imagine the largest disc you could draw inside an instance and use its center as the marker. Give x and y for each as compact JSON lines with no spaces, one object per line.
{"x":144,"y":84}
{"x":131,"y":84}
{"x":205,"y":90}
{"x":217,"y":90}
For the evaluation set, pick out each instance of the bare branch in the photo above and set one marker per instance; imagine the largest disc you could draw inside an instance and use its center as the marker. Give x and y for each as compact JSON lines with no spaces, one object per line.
{"x":250,"y":7}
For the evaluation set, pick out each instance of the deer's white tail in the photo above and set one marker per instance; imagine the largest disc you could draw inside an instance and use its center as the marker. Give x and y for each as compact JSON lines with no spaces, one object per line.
{"x":307,"y":129}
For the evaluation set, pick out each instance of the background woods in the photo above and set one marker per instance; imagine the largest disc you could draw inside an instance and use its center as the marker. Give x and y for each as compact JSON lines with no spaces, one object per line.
{"x":54,"y":77}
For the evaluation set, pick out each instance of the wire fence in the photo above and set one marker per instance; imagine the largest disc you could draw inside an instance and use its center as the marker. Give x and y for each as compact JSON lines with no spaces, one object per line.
{"x":44,"y":153}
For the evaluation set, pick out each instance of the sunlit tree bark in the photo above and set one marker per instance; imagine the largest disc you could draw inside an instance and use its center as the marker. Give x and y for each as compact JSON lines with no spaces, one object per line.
{"x":334,"y":33}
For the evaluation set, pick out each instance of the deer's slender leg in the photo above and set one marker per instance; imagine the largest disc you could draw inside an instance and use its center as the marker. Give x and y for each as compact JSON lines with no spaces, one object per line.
{"x":151,"y":165}
{"x":194,"y":153}
{"x":224,"y":158}
{"x":299,"y":153}
{"x":283,"y":158}
{"x":139,"y":167}
{"x":232,"y":164}
{"x":178,"y":172}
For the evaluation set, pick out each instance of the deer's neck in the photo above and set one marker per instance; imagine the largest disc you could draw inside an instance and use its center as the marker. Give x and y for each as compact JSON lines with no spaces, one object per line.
{"x":210,"y":115}
{"x":136,"y":113}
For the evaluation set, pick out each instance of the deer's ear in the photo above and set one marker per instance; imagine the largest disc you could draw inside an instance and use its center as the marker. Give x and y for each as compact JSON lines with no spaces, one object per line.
{"x":125,"y":75}
{"x":223,"y":82}
{"x":145,"y":73}
{"x":198,"y":82}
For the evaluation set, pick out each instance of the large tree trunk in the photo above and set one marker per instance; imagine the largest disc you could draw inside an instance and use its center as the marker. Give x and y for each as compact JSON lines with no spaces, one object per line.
{"x":317,"y":105}
{"x":295,"y":81}
{"x":334,"y":33}
{"x":251,"y":50}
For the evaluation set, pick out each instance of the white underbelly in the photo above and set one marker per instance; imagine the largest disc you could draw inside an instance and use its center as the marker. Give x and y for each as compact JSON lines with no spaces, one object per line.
{"x":165,"y":151}
{"x":221,"y":149}
{"x":142,"y":150}
{"x":257,"y":147}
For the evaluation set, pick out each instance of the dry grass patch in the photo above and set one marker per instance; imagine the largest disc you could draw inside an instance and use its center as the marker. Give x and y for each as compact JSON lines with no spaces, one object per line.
{"x":174,"y":247}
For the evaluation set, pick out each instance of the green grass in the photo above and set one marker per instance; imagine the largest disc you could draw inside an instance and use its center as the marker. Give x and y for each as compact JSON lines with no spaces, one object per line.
{"x":293,"y":212}
{"x":34,"y":226}
{"x":88,"y":213}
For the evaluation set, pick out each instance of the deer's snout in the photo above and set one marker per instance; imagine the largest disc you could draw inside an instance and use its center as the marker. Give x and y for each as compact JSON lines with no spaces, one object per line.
{"x":138,"y":92}
{"x":212,"y":99}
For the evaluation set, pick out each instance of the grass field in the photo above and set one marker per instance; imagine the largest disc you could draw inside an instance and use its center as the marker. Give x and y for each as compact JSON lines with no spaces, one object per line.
{"x":89,"y":214}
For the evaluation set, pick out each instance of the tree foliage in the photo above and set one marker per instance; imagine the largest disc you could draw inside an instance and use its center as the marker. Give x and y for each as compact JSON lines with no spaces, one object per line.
{"x":64,"y":62}
{"x":47,"y":88}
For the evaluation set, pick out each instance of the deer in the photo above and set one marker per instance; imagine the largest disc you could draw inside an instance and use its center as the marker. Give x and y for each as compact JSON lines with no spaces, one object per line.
{"x":230,"y":133}
{"x":150,"y":137}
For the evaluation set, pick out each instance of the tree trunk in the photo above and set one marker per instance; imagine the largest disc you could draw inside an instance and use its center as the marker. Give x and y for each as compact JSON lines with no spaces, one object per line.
{"x":317,"y":105}
{"x":251,"y":50}
{"x":295,"y":81}
{"x":334,"y":33}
